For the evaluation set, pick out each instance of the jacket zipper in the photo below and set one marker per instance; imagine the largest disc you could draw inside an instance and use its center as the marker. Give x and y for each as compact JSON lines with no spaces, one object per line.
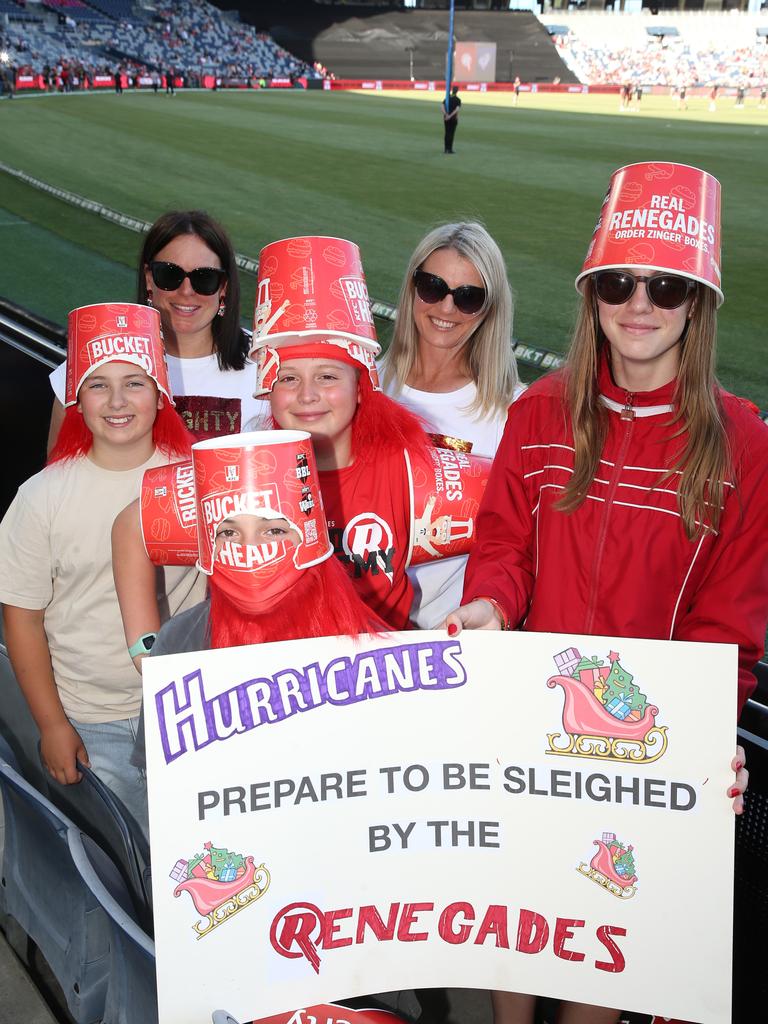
{"x":627,"y":415}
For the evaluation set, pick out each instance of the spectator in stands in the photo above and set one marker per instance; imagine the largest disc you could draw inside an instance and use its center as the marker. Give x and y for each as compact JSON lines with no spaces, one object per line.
{"x":187,"y":270}
{"x":60,"y":611}
{"x":451,"y":362}
{"x":451,"y":118}
{"x":638,"y":391}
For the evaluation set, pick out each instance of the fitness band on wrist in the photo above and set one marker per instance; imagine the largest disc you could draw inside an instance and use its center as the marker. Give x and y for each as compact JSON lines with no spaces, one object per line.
{"x":143,"y":645}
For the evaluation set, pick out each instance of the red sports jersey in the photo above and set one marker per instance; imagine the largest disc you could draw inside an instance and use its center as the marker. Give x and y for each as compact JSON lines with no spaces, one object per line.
{"x":367,"y":506}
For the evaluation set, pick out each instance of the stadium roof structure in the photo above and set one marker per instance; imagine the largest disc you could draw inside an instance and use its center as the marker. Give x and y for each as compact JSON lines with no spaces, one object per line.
{"x":662,"y":30}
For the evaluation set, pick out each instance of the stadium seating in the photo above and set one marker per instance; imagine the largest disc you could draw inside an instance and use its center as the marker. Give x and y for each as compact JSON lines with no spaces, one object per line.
{"x":45,"y":896}
{"x":131,"y":992}
{"x":197,"y":35}
{"x":97,"y":811}
{"x":192,"y":36}
{"x":684,"y":49}
{"x":74,"y":9}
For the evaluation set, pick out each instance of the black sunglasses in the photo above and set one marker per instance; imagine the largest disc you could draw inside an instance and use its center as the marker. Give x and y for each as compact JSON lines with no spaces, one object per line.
{"x":170,"y":276}
{"x":430,"y":288}
{"x":667,"y":291}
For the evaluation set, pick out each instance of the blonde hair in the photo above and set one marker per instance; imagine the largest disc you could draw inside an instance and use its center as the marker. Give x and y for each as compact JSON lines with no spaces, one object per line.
{"x":488,"y":352}
{"x":704,"y":462}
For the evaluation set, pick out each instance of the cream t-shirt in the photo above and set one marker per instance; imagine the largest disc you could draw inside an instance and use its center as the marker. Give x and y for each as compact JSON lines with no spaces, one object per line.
{"x":56,"y":554}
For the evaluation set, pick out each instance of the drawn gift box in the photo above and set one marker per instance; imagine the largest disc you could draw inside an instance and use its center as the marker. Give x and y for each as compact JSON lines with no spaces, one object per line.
{"x":594,"y":675}
{"x":179,"y":871}
{"x":567,"y":660}
{"x":618,"y":708}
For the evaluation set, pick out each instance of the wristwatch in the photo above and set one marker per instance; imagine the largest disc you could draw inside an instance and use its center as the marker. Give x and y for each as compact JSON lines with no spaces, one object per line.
{"x":143,"y":645}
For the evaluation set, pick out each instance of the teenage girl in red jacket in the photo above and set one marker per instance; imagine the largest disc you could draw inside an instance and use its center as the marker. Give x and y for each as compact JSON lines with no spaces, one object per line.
{"x":627,"y":497}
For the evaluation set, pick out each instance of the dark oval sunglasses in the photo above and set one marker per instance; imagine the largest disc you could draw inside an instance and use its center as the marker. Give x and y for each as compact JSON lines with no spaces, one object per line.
{"x":430,"y":288}
{"x":170,"y":276}
{"x":667,"y":291}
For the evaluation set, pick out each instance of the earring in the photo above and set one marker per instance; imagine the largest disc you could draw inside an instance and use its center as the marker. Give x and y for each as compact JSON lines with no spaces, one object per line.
{"x":222,"y":307}
{"x":149,"y":297}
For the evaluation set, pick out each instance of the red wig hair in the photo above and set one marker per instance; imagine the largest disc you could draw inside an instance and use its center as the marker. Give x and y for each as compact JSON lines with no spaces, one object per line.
{"x":323,"y":603}
{"x":382,"y":426}
{"x":169,"y":434}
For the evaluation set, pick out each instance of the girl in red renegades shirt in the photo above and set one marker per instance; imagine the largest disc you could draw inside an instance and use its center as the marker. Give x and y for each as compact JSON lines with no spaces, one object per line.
{"x":360,"y":438}
{"x":627,"y":497}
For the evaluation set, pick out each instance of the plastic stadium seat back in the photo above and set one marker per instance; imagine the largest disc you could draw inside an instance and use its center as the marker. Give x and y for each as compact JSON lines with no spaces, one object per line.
{"x":750,"y":982}
{"x":18,"y":727}
{"x":7,"y":754}
{"x":761,"y":690}
{"x":45,"y":895}
{"x":95,"y":809}
{"x":131,"y":993}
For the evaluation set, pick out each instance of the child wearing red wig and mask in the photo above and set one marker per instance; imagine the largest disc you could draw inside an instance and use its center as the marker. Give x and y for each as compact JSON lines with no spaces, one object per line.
{"x":62,"y":620}
{"x":263,"y":543}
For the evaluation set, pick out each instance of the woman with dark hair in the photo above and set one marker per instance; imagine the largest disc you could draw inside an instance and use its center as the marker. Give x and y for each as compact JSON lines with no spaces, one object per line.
{"x":627,"y":498}
{"x":187,"y":271}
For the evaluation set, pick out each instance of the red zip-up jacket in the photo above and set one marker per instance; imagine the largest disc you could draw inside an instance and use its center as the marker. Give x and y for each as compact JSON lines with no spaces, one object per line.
{"x":621,"y":564}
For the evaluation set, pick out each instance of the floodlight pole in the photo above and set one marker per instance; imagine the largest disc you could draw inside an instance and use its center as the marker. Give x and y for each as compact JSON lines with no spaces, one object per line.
{"x":449,"y":57}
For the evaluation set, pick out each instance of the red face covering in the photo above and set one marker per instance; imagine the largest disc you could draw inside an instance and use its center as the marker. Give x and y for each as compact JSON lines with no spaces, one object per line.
{"x":255,"y":577}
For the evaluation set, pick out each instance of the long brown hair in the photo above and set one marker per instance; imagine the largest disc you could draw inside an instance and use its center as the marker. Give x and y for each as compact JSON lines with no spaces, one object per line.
{"x":704,"y":462}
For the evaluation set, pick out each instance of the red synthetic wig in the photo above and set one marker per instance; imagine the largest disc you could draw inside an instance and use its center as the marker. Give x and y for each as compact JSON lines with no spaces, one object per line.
{"x":382,"y":426}
{"x":323,"y":603}
{"x":169,"y":434}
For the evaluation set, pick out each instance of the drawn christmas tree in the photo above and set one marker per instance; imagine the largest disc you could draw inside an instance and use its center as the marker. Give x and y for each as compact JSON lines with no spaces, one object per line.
{"x":225,"y":863}
{"x":624,"y":863}
{"x":621,"y":697}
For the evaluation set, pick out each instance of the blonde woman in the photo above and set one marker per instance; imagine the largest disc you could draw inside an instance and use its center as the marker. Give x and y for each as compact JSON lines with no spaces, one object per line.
{"x":451,"y":361}
{"x":628,"y":495}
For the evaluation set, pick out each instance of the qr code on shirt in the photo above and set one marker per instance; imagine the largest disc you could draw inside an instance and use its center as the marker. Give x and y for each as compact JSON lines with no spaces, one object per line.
{"x":310,"y":531}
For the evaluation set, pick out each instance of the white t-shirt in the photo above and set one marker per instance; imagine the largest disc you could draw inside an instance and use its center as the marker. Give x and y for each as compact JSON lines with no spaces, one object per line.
{"x":211,"y":401}
{"x":438,"y":586}
{"x":56,"y":555}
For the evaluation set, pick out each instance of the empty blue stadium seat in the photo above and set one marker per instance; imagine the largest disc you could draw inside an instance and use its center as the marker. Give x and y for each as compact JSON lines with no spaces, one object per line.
{"x":131,"y":992}
{"x":45,"y":895}
{"x":95,"y":809}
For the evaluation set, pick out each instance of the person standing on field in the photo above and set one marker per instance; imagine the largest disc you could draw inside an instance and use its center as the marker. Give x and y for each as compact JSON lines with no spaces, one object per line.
{"x":451,"y":117}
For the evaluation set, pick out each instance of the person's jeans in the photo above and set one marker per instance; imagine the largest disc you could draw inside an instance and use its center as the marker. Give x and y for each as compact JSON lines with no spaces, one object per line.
{"x":109,"y":746}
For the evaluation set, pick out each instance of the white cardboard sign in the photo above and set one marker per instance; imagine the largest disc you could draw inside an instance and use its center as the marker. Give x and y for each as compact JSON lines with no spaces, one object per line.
{"x":531,"y":812}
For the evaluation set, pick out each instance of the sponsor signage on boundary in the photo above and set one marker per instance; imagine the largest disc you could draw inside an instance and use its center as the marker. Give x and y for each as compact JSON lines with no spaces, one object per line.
{"x":532,"y":812}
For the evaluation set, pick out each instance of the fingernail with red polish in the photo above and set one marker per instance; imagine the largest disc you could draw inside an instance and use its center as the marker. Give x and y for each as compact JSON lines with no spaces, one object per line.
{"x":453,"y":629}
{"x":739,"y":765}
{"x":734,"y":791}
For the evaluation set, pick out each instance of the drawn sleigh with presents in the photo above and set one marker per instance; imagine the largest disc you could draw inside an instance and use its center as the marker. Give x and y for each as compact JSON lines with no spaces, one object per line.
{"x":592,"y":731}
{"x":602,"y":871}
{"x":217,"y":901}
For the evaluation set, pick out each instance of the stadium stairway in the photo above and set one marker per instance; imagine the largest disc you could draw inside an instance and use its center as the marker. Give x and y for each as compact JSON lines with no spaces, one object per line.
{"x":365,"y":42}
